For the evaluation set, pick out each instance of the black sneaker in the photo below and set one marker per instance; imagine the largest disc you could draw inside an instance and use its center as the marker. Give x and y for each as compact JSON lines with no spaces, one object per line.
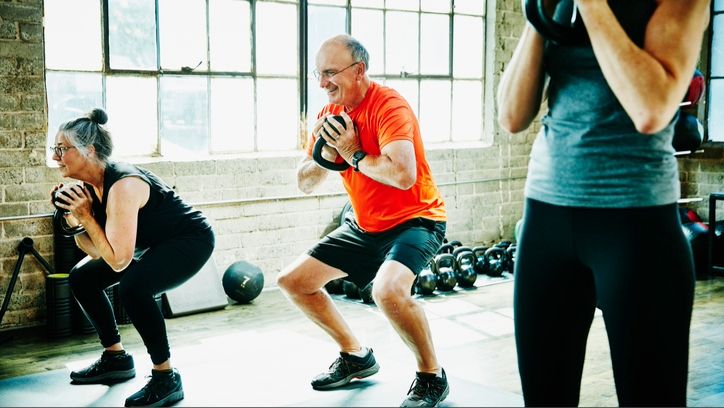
{"x":109,"y":368}
{"x":163,"y":389}
{"x":427,"y":390}
{"x":345,"y":368}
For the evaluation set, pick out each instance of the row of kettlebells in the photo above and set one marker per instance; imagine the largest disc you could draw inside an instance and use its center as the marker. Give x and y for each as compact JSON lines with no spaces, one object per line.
{"x":459,"y":265}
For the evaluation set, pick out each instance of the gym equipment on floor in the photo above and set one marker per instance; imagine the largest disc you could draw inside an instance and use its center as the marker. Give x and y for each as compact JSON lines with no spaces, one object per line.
{"x":426,"y":281}
{"x":351,"y":290}
{"x":335,"y":287}
{"x":445,"y":270}
{"x":242,"y":281}
{"x":366,"y":294}
{"x":496,"y":260}
{"x":481,"y":259}
{"x":465,"y":267}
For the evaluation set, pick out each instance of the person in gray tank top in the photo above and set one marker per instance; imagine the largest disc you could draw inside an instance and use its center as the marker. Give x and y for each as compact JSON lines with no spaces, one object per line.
{"x":138,"y":234}
{"x":600,"y":224}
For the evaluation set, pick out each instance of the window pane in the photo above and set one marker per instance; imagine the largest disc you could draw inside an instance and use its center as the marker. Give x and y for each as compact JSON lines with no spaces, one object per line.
{"x":70,"y":96}
{"x":408,"y":89}
{"x":401,"y":43}
{"x":435,"y":110}
{"x":230,"y":35}
{"x":440,"y":6}
{"x":232,"y":115}
{"x":182,"y":27}
{"x":276,"y":39}
{"x":132,"y":120}
{"x":716,"y":104}
{"x":718,"y":5}
{"x":468,"y":47}
{"x":369,"y":3}
{"x":412,"y":5}
{"x":278,"y":114}
{"x":184,"y":124}
{"x":434,"y":44}
{"x":316,"y":100}
{"x":323,"y":23}
{"x":467,"y":110}
{"x":476,"y":7}
{"x":366,"y":27}
{"x":132,"y":34}
{"x":73,"y":35}
{"x":717,"y":46}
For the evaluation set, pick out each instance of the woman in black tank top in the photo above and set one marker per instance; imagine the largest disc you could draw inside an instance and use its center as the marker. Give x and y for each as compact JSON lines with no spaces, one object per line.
{"x":138,"y":234}
{"x":630,"y":261}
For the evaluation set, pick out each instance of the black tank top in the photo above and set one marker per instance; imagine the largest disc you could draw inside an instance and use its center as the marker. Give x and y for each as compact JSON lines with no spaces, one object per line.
{"x":164,"y":216}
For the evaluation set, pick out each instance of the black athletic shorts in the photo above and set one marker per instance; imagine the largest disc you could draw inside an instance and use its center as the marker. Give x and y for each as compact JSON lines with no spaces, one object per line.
{"x":360,"y":254}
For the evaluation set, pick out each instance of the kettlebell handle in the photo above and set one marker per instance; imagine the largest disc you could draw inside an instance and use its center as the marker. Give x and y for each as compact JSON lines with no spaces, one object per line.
{"x":317,"y":151}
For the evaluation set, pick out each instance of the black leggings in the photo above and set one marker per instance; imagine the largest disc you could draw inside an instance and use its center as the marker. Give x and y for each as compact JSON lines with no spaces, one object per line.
{"x":161,"y":268}
{"x":636,"y":266}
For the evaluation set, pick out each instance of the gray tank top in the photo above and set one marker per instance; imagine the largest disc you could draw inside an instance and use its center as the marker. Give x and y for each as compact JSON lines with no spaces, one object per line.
{"x":588,"y":152}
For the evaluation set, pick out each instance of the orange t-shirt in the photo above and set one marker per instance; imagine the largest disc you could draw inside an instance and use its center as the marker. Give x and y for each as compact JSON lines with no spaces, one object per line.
{"x":383,"y":117}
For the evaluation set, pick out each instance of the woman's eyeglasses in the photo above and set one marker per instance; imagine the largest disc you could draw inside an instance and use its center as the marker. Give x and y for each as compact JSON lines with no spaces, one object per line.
{"x":60,"y":150}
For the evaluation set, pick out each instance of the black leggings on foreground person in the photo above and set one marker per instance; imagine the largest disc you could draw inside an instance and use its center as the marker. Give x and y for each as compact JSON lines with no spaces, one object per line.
{"x":635,"y":268}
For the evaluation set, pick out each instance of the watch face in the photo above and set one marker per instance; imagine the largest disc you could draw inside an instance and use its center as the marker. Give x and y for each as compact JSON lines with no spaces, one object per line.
{"x":358,"y":155}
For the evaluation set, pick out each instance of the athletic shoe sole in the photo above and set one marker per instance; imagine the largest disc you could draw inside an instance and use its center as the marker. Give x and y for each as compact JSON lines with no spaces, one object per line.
{"x":111,"y":376}
{"x":346,"y":380}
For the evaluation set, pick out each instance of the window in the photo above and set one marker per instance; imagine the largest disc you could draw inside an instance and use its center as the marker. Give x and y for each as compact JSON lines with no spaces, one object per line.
{"x":429,"y":52}
{"x":185,"y":79}
{"x":715,"y":122}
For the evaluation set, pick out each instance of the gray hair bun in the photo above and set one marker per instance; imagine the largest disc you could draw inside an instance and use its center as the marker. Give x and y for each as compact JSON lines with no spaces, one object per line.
{"x":98,"y":116}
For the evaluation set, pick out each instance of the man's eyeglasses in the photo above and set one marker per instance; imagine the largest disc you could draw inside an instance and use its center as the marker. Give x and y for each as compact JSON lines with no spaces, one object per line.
{"x":60,"y":150}
{"x":329,"y":74}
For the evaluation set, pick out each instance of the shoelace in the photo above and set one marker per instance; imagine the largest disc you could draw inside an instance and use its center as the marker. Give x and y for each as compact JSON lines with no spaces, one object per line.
{"x":339,"y":362}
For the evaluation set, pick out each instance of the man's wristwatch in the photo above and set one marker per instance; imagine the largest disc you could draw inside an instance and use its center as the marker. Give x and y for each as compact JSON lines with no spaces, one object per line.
{"x":356,"y":158}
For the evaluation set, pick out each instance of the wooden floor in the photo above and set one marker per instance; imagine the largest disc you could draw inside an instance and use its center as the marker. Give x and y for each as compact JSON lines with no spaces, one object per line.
{"x":472,"y":329}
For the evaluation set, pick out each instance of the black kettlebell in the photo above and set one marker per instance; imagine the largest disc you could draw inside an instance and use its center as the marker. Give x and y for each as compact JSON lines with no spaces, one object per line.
{"x":481,"y":260}
{"x":320,"y":143}
{"x":60,"y":224}
{"x":366,"y":294}
{"x":446,"y":249}
{"x":465,"y":267}
{"x":426,"y":281}
{"x":335,"y":287}
{"x":557,"y":21}
{"x":496,"y":261}
{"x":445,"y":269}
{"x":351,"y":290}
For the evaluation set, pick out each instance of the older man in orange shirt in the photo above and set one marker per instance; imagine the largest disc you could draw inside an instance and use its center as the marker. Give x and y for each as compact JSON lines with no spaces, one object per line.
{"x":399,"y":220}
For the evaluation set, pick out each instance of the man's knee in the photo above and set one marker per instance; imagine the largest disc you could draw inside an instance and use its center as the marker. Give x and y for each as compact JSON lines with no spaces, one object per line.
{"x":390,"y":292}
{"x":306,"y":276}
{"x":287,"y":280}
